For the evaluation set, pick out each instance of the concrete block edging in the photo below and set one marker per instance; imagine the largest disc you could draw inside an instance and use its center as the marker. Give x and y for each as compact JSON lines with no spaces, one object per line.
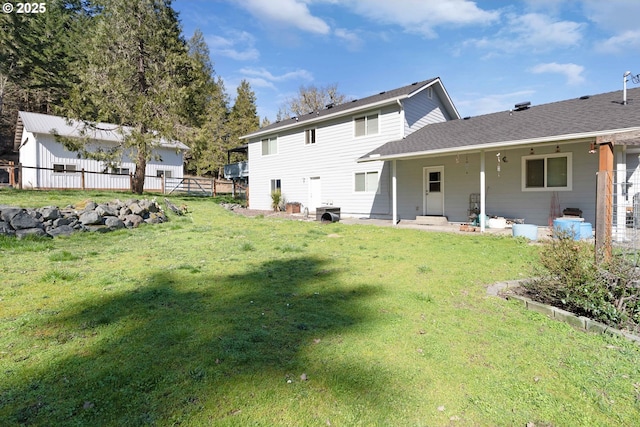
{"x":581,"y":322}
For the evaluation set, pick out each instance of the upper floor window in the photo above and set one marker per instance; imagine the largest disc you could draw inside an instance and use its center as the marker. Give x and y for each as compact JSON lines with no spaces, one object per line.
{"x":366,"y":125}
{"x":547,"y":172}
{"x":269,"y":146}
{"x":310,"y":136}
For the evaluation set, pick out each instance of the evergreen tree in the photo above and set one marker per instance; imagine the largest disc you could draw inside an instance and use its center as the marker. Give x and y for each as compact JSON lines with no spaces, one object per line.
{"x":135,"y":74}
{"x":208,"y":106}
{"x":243,"y":118}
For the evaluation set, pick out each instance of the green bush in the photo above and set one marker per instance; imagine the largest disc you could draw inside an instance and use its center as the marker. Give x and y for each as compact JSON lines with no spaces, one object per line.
{"x":277,"y":201}
{"x":569,"y":277}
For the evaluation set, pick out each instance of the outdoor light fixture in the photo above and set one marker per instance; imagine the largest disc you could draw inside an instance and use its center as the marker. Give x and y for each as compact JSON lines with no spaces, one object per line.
{"x":531,"y":152}
{"x":592,"y":148}
{"x":557,"y":148}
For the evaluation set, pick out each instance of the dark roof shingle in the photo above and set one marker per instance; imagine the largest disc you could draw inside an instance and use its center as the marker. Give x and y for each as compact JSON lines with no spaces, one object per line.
{"x":571,"y":118}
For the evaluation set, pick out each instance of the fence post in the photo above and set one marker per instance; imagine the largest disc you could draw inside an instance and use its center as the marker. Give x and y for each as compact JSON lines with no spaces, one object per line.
{"x":20,"y":176}
{"x":163,"y":184}
{"x":604,"y":214}
{"x":82,"y":179}
{"x":12,"y":174}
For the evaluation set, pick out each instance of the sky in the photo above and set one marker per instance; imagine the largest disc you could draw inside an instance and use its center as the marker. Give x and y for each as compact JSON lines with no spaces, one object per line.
{"x":489,"y":54}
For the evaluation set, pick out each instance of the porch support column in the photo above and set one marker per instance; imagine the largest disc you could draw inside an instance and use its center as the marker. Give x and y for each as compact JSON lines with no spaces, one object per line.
{"x":604,"y":199}
{"x":394,"y":192}
{"x":483,"y":194}
{"x":620,"y":192}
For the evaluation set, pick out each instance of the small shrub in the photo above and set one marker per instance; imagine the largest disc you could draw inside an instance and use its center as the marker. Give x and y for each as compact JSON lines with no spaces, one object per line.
{"x":569,"y":277}
{"x":277,"y":201}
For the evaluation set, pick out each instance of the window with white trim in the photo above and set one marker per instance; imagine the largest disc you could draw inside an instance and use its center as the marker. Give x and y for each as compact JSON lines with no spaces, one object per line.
{"x":269,"y":146}
{"x":366,"y":125}
{"x":366,"y":182}
{"x":310,"y":136}
{"x":162,"y":173}
{"x":120,"y":171}
{"x":60,"y":168}
{"x":276,"y":184}
{"x":547,"y":172}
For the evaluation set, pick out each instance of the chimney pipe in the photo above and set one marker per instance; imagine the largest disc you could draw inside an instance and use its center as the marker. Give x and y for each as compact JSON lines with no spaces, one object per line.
{"x":624,"y":87}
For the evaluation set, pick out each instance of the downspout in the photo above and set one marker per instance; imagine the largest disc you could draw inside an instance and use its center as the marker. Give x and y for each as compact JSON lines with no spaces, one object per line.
{"x":394,"y":192}
{"x":401,"y":118}
{"x":483,"y":194}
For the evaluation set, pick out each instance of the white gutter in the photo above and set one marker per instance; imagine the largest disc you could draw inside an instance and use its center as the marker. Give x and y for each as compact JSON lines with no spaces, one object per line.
{"x":479,"y":147}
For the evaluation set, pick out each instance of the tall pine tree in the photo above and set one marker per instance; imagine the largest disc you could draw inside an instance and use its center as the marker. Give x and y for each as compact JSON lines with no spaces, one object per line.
{"x":243,"y":118}
{"x":135,"y":73}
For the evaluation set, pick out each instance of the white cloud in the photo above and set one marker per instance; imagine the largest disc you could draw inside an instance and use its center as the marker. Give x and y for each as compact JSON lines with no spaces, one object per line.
{"x":532,"y":31}
{"x":266,"y":75}
{"x":572,"y":72}
{"x":476,"y":106}
{"x":238,"y":46}
{"x":629,"y":41}
{"x":613,"y":15}
{"x":353,"y":41}
{"x":423,"y":16}
{"x":293,"y":13}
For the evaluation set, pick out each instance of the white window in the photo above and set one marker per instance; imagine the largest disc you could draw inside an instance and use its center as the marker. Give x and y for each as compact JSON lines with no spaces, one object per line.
{"x":162,"y":173}
{"x":120,"y":171}
{"x":366,"y":182}
{"x":547,"y":172}
{"x":366,"y":125}
{"x":310,"y":136}
{"x":269,"y":146}
{"x":275,"y":185}
{"x":60,"y":168}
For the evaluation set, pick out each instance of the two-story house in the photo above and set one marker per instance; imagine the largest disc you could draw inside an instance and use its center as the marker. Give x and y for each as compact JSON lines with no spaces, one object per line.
{"x":313,"y":158}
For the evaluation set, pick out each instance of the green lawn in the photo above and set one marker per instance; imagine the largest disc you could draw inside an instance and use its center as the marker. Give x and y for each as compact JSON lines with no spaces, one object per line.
{"x":214,"y":319}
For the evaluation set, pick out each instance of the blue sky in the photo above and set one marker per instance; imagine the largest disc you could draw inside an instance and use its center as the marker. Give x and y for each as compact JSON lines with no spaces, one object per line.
{"x":489,"y":54}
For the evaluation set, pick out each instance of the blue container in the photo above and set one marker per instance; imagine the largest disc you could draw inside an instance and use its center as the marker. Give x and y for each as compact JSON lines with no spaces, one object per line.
{"x":530,"y":231}
{"x":586,"y":230}
{"x":570,"y":227}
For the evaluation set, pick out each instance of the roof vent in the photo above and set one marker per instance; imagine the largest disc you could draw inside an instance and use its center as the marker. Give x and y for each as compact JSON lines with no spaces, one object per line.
{"x":383,"y":92}
{"x":414,"y":83}
{"x":330,"y":105}
{"x":353,"y":100}
{"x":584,"y":97}
{"x":522,"y":106}
{"x":466,"y":118}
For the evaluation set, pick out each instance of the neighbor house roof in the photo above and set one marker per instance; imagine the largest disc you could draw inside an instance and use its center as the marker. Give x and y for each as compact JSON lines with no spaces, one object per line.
{"x":580,"y":118}
{"x":48,"y":124}
{"x":357,"y":105}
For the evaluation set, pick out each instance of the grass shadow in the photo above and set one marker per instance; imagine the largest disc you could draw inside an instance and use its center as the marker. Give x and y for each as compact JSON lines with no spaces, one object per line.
{"x":181,"y":341}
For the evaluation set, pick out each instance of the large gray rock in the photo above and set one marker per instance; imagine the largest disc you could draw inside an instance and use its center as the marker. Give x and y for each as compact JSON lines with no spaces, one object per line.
{"x":106,"y":210}
{"x":49,"y":213}
{"x":39,"y":232}
{"x":62,"y":230}
{"x":90,"y":206}
{"x":90,"y":218}
{"x":136,"y":209}
{"x":113,"y":222}
{"x":132,"y":221}
{"x":64,"y":221}
{"x":9,"y":212}
{"x":23,"y":221}
{"x":6,"y":229}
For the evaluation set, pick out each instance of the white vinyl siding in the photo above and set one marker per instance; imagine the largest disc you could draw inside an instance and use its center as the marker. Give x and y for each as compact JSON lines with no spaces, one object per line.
{"x":422,"y":110}
{"x":366,"y":125}
{"x":547,"y":172}
{"x":269,"y":146}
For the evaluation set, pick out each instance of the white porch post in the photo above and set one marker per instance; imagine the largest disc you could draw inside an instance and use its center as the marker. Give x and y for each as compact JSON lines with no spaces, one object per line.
{"x":619,"y":183}
{"x":394,"y":192}
{"x":483,"y":194}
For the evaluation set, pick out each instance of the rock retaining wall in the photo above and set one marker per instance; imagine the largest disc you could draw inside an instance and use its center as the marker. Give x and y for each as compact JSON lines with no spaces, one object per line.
{"x":51,"y":221}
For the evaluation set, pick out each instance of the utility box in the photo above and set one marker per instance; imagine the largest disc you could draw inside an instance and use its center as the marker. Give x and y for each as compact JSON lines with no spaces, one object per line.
{"x":333,"y":213}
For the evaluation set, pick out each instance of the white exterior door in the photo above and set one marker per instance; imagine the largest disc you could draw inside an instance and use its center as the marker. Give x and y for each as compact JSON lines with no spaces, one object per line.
{"x":315,"y":196}
{"x":433,"y":190}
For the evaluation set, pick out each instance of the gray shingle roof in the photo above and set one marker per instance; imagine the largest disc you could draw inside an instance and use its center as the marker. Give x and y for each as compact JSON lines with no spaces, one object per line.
{"x":356,"y":104}
{"x":46,"y":124}
{"x":571,"y":119}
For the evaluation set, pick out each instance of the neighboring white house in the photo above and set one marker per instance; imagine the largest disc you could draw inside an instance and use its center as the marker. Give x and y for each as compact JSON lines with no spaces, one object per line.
{"x":313,"y":159}
{"x":46,"y":163}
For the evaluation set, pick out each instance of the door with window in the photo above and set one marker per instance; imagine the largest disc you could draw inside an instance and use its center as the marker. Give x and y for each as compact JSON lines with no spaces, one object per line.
{"x":433,"y":191}
{"x":314,"y":193}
